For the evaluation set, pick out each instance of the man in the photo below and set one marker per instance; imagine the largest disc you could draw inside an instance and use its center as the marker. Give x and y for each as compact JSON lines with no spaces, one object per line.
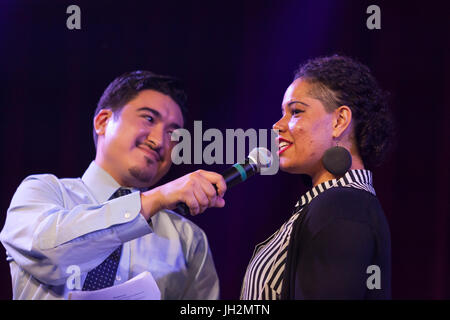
{"x":93,"y":223}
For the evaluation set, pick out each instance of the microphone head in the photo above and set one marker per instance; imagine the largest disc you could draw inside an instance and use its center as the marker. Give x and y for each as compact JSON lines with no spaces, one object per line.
{"x":261,"y":157}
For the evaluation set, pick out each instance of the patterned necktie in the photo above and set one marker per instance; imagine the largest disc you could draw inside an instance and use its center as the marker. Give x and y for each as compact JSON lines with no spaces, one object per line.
{"x":103,"y":275}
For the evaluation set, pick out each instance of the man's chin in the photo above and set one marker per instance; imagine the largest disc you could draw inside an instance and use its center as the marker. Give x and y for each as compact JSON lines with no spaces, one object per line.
{"x":143,"y":177}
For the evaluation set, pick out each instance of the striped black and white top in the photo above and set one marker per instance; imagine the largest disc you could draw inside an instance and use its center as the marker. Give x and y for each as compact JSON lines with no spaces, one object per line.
{"x":264,"y":276}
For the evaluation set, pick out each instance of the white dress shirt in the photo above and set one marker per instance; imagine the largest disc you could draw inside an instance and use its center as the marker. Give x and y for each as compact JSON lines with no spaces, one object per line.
{"x":55,"y":224}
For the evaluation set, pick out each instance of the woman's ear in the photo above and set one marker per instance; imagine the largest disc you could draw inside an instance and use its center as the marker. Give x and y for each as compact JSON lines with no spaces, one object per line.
{"x":101,"y":120}
{"x":342,"y":120}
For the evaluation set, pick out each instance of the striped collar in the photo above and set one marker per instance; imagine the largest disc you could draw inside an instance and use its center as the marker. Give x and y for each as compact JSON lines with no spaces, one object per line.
{"x":358,"y":178}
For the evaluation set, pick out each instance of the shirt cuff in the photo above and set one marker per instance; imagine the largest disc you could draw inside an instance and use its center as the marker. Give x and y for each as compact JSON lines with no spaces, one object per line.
{"x":132,"y":223}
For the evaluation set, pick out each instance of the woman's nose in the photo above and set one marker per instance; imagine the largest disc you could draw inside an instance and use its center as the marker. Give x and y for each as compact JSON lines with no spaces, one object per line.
{"x":280,"y":125}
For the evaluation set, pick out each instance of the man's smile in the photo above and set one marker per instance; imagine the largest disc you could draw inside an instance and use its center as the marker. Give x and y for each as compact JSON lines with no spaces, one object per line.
{"x":150,"y":152}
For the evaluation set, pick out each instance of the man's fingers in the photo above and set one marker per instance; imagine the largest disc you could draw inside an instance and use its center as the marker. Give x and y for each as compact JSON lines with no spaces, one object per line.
{"x":220,"y":202}
{"x":217,"y":180}
{"x":209,"y":190}
{"x":193,"y":204}
{"x":199,"y":190}
{"x":202,"y":200}
{"x":206,"y":197}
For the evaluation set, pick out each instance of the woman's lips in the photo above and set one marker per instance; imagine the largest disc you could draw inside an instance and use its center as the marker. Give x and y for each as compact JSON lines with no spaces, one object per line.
{"x":283,"y":145}
{"x":283,"y":149}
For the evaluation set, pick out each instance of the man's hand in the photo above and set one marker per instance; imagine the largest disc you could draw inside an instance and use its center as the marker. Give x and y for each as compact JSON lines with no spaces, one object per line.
{"x":195,"y":189}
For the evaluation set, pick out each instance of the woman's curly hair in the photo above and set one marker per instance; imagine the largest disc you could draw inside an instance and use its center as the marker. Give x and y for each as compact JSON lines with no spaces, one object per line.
{"x":338,"y":80}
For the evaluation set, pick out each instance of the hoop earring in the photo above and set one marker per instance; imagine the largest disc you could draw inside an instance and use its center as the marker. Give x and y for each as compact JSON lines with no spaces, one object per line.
{"x":337,"y":160}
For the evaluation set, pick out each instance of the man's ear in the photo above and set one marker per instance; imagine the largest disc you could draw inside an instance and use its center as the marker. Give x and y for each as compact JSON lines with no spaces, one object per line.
{"x":342,"y":120}
{"x":101,"y":120}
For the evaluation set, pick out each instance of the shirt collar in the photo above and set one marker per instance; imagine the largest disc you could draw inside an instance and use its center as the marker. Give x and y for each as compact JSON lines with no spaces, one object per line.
{"x":357,"y":178}
{"x":99,"y":182}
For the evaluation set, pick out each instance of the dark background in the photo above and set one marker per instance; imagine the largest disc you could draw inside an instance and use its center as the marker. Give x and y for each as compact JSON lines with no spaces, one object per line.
{"x":237,"y":58}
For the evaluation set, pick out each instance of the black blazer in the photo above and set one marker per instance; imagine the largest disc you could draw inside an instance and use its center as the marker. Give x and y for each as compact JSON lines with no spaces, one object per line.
{"x":338,"y":235}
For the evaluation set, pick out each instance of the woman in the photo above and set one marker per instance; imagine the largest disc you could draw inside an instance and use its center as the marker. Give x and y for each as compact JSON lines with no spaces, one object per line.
{"x":336,"y":245}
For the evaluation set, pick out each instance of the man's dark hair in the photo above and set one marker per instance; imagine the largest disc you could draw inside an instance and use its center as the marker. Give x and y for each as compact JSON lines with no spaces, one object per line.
{"x":127,"y":86}
{"x":338,"y":80}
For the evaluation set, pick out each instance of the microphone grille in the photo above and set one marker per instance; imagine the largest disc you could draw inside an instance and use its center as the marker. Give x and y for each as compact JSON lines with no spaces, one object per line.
{"x":262,"y":157}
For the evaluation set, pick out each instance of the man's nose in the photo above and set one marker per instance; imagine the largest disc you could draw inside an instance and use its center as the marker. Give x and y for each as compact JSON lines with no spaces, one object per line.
{"x":156,"y":137}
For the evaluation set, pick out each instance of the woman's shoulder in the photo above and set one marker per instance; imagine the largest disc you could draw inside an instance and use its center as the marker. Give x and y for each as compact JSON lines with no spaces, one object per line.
{"x":345,"y":196}
{"x":344,"y":203}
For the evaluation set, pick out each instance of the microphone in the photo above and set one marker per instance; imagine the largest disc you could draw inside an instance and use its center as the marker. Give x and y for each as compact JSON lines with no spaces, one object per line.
{"x":258,"y":158}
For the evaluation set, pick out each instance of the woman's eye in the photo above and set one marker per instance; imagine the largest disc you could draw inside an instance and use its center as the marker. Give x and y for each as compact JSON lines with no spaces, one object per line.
{"x":296,"y":111}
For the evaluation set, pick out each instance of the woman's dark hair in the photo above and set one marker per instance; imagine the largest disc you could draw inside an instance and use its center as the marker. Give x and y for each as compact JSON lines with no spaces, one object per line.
{"x":127,"y":86}
{"x":339,"y":80}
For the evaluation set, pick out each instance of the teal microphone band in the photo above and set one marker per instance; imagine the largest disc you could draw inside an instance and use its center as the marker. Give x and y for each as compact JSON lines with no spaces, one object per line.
{"x":241,"y":171}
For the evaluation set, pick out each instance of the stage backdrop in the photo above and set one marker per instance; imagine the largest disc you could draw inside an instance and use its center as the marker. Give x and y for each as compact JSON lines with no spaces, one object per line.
{"x":237,"y":58}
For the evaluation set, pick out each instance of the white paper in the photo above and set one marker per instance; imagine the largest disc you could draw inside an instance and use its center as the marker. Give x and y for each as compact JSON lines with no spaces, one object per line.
{"x":141,"y":287}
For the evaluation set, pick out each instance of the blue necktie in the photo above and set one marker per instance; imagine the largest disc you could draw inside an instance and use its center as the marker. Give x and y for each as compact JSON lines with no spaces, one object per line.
{"x":103,"y":275}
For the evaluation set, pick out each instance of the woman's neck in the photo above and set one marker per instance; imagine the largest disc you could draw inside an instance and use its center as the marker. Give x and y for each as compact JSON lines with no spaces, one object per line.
{"x":323,"y":174}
